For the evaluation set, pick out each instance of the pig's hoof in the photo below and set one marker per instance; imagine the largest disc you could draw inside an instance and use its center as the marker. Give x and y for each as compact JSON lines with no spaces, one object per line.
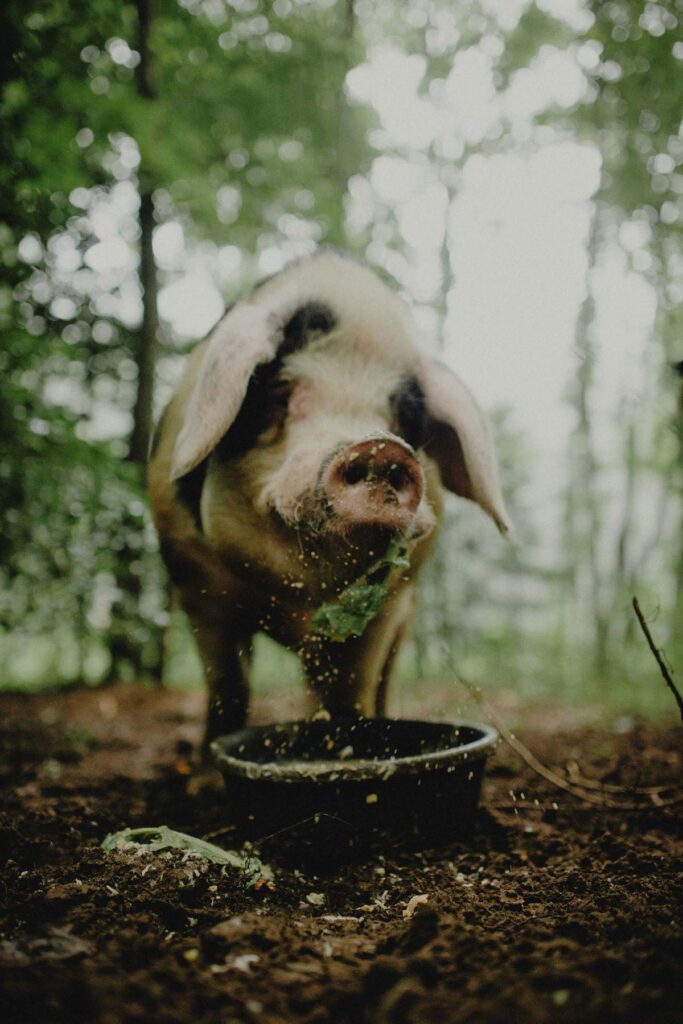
{"x":204,"y":780}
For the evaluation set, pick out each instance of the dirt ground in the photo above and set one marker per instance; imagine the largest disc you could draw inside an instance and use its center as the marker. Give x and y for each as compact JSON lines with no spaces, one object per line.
{"x":556,"y":910}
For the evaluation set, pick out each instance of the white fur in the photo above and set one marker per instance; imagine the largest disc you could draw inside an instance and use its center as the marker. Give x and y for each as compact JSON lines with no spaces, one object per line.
{"x":347,"y":377}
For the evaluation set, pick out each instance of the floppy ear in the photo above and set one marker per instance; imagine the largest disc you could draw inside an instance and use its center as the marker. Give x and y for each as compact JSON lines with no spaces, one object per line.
{"x":244,"y":338}
{"x":460,"y":441}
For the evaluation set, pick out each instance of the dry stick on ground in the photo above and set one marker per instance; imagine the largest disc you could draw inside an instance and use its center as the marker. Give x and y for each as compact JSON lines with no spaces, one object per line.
{"x":653,"y":791}
{"x":574,"y":775}
{"x":666,"y":675}
{"x":574,"y":788}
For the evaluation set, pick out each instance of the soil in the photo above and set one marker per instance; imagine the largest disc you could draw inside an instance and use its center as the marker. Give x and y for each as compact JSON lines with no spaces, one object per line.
{"x":555,"y":910}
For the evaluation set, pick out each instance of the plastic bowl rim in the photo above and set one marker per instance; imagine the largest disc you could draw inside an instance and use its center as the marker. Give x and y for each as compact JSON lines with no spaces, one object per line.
{"x":355,"y":769}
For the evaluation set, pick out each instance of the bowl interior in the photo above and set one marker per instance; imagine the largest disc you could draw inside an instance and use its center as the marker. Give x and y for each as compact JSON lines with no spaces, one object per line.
{"x":352,"y":739}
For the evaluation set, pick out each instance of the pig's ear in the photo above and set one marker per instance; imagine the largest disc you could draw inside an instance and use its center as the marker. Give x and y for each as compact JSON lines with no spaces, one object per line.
{"x":460,"y":441}
{"x":241,"y":341}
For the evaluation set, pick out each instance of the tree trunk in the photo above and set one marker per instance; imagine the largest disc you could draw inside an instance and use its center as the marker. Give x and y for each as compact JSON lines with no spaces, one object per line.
{"x":341,"y":163}
{"x":586,"y":499}
{"x":623,"y":558}
{"x":146,"y":349}
{"x":678,"y":593}
{"x":123,"y":652}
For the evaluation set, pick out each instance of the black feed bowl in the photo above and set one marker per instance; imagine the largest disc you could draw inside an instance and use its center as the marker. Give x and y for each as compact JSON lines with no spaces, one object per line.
{"x":372,"y":778}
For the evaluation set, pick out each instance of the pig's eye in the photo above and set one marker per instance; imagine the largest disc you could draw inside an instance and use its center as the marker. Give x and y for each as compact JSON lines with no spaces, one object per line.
{"x":409,"y":410}
{"x":273,"y":413}
{"x":280,"y":392}
{"x":261,"y":416}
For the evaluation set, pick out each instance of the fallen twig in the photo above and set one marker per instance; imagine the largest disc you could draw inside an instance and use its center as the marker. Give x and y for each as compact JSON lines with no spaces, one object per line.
{"x":588,"y":794}
{"x":576,"y":777}
{"x":666,"y":675}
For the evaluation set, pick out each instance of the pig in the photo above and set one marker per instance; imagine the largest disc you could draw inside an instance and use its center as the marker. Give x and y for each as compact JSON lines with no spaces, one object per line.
{"x":308,"y":432}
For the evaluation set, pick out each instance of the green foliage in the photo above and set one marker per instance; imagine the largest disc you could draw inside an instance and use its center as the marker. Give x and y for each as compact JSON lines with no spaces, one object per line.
{"x":223,"y":97}
{"x":361,"y":602}
{"x":637,"y":108}
{"x":534,"y":30}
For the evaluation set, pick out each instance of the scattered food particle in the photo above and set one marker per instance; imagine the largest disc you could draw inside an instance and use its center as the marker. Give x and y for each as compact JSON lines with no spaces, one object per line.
{"x":560,"y":996}
{"x":244,"y":963}
{"x":413,"y":903}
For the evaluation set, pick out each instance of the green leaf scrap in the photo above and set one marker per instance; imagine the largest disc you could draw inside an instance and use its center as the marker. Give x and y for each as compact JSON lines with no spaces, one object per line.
{"x":161,"y":837}
{"x":358,"y":605}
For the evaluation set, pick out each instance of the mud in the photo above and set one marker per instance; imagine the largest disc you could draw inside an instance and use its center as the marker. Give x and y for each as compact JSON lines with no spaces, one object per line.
{"x":555,"y":910}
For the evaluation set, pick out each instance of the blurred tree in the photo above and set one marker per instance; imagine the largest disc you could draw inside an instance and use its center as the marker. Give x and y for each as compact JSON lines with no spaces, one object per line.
{"x":114,"y":119}
{"x":678,"y":596}
{"x":146,"y":348}
{"x":632,"y":55}
{"x":469,"y":575}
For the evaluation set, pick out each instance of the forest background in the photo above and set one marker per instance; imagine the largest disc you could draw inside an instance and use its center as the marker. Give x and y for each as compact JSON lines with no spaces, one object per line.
{"x":512,"y":167}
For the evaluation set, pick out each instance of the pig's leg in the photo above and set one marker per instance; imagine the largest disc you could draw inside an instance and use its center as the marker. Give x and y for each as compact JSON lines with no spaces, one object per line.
{"x":352,"y":676}
{"x":388,"y":669}
{"x":225,"y":658}
{"x":334,"y":676}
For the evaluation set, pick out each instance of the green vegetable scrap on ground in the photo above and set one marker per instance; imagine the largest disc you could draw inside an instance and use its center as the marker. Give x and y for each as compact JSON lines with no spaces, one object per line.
{"x":161,"y":837}
{"x":358,"y":605}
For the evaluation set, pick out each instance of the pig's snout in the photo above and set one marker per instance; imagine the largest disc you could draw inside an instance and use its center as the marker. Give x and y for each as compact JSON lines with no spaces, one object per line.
{"x":376,"y":482}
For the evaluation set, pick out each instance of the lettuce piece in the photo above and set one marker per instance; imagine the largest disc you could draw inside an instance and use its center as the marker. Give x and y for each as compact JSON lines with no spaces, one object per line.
{"x":161,"y":837}
{"x":358,"y":605}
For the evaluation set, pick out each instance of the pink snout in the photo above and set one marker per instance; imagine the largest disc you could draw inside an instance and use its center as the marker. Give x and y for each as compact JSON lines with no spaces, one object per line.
{"x":376,"y":482}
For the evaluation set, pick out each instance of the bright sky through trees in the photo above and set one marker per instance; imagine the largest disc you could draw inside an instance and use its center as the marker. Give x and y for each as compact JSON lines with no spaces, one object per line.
{"x":516,"y":224}
{"x":518,"y":228}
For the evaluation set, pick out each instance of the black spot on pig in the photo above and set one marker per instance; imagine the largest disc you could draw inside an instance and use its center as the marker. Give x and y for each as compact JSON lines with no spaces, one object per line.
{"x":310,"y":319}
{"x":189,"y":491}
{"x":264,"y":406}
{"x":409,"y":410}
{"x":267,"y":396}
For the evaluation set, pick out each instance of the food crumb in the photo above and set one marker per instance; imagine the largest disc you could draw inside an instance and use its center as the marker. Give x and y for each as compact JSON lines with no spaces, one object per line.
{"x":413,"y":903}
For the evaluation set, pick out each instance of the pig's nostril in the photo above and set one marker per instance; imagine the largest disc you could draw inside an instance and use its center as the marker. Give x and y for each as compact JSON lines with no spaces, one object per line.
{"x":354,"y":472}
{"x":376,"y":482}
{"x":398,"y":477}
